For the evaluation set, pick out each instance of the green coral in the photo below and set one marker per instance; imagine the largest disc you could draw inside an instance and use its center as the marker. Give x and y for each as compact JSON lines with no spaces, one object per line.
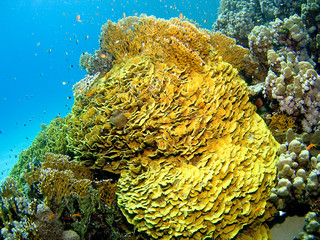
{"x":51,"y":138}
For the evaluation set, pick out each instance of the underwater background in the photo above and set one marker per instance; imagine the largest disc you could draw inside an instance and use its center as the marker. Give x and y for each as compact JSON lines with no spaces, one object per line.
{"x":160,"y":120}
{"x":43,"y":41}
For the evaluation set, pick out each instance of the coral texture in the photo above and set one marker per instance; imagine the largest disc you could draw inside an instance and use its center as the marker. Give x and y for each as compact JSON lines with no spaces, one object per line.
{"x":310,"y":14}
{"x":100,"y":62}
{"x":237,"y":18}
{"x":51,"y":138}
{"x":175,"y":121}
{"x":292,"y":84}
{"x":298,"y":174}
{"x":69,"y":192}
{"x":229,"y":50}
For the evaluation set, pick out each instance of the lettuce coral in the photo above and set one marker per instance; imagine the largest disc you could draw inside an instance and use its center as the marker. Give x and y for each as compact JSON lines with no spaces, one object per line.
{"x":175,"y":121}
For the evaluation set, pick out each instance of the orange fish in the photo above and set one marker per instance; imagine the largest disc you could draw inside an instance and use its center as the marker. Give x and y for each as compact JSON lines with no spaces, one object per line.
{"x":90,"y":93}
{"x":52,"y":216}
{"x":103,"y":55}
{"x":259,"y":102}
{"x":124,"y":15}
{"x":259,"y":208}
{"x":311,"y":146}
{"x":76,"y":215}
{"x":180,"y":16}
{"x":78,"y":19}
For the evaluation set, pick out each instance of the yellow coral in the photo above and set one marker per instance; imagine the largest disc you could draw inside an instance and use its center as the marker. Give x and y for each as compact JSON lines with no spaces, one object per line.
{"x":58,"y":178}
{"x":195,"y":159}
{"x":229,"y":50}
{"x":107,"y":192}
{"x":175,"y":41}
{"x":261,"y":232}
{"x":281,"y":122}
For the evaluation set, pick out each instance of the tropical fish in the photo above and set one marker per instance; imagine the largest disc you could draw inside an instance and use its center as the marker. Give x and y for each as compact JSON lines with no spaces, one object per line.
{"x":76,"y":215}
{"x":52,"y":216}
{"x":90,"y":93}
{"x":259,"y":208}
{"x":124,"y":15}
{"x":310,"y":146}
{"x":78,"y":19}
{"x":181,"y":16}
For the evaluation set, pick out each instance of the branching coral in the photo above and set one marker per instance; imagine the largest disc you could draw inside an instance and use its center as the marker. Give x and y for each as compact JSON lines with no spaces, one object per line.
{"x":58,"y":178}
{"x":100,"y":61}
{"x":281,"y":122}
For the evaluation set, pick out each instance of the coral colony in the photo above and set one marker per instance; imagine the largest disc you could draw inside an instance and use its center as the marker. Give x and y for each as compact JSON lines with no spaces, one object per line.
{"x":181,"y":133}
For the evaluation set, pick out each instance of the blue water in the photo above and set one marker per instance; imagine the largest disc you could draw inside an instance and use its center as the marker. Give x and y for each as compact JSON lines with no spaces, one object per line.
{"x":41,"y":42}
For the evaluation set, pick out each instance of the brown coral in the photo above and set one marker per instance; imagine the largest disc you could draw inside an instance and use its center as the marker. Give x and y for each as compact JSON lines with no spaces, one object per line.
{"x":281,"y":122}
{"x":59,"y":178}
{"x":195,"y":159}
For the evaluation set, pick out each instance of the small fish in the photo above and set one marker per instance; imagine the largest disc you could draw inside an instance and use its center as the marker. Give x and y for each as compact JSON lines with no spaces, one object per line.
{"x":259,"y":208}
{"x":90,"y":93}
{"x":49,"y":50}
{"x":78,"y":19}
{"x":310,"y":146}
{"x":69,"y":97}
{"x":64,"y":14}
{"x":103,"y":55}
{"x":259,"y":102}
{"x":124,"y":15}
{"x":87,"y":37}
{"x":77,"y":41}
{"x":64,"y":83}
{"x":52,"y":216}
{"x":181,"y":16}
{"x":76,"y":215}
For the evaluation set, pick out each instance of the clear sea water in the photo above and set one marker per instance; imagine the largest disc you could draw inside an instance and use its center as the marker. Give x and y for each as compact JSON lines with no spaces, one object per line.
{"x":41,"y":42}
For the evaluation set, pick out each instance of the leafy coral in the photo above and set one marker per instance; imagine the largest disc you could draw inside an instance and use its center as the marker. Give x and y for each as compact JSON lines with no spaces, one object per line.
{"x":175,"y":121}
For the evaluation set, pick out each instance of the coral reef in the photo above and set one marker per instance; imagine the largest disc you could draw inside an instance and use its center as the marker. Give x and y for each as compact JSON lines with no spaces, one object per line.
{"x":100,"y":61}
{"x":23,"y":219}
{"x":311,"y":228}
{"x":237,"y":18}
{"x":51,"y":138}
{"x":292,"y":84}
{"x":83,"y":86}
{"x":175,"y":121}
{"x":229,"y":50}
{"x":298,"y":173}
{"x":311,"y":17}
{"x":280,"y":122}
{"x":88,"y":208}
